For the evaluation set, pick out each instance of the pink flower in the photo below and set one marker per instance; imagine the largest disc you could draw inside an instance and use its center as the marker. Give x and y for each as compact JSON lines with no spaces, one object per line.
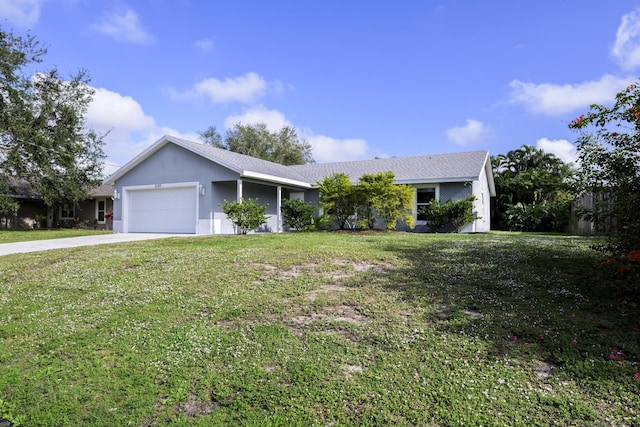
{"x":575,"y":341}
{"x":616,"y":354}
{"x":572,"y":315}
{"x":637,"y":375}
{"x":515,"y":338}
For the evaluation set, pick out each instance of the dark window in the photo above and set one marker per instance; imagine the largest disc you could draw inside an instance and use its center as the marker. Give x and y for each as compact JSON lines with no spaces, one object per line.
{"x":101,"y":210}
{"x":425,"y":196}
{"x":67,"y":212}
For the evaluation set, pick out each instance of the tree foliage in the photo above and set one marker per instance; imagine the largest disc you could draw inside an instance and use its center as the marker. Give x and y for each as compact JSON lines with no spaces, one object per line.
{"x":246,"y":215}
{"x":609,"y":153}
{"x":375,"y":198}
{"x":212,"y":137}
{"x":381,"y":199}
{"x":43,"y":137}
{"x":338,"y":198}
{"x":298,"y":214}
{"x":283,"y":146}
{"x":530,"y":181}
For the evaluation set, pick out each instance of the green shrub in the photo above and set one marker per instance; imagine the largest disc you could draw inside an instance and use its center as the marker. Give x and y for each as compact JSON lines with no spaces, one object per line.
{"x":435,"y":213}
{"x":457,"y":213}
{"x":543,"y":216}
{"x":246,"y":215}
{"x":298,"y":214}
{"x":461,"y":212}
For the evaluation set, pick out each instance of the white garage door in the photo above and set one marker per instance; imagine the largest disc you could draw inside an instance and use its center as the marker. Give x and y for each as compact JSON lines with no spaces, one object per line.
{"x":162,"y":210}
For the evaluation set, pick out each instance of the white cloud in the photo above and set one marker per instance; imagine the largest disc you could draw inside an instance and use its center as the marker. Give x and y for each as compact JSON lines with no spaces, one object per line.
{"x":125,"y":27}
{"x":130,"y":129}
{"x":473,"y":132}
{"x":626,"y":49}
{"x":561,"y":148}
{"x":327,"y":149}
{"x":110,"y":110}
{"x":245,"y":89}
{"x":274,"y":119}
{"x":553,"y":99}
{"x":22,"y":13}
{"x":204,"y":45}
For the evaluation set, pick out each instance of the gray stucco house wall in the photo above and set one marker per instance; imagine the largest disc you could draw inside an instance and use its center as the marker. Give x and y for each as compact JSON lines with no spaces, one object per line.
{"x":177,"y":186}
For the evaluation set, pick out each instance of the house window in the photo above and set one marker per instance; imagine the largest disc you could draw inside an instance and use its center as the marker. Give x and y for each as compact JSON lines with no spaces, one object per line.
{"x":101,"y":208}
{"x":424,"y":196}
{"x":67,"y":212}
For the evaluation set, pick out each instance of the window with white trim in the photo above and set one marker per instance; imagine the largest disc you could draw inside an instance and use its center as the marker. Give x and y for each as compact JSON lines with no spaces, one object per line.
{"x":101,"y":209}
{"x":67,"y":212}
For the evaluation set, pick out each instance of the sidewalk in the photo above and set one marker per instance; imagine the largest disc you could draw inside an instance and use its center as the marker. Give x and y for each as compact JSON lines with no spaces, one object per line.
{"x":73,"y":242}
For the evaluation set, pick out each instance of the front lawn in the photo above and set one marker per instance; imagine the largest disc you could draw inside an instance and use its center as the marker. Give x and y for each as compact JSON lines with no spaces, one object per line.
{"x":10,"y":236}
{"x":319,"y":329}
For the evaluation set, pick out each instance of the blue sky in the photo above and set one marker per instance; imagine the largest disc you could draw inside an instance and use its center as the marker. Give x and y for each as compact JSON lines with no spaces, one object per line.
{"x":357,"y":79}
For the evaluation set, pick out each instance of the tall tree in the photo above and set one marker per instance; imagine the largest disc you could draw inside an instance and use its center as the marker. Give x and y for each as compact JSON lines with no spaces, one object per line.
{"x":609,"y":153}
{"x":533,"y":190}
{"x":212,"y":137}
{"x":284,"y":146}
{"x":43,"y":138}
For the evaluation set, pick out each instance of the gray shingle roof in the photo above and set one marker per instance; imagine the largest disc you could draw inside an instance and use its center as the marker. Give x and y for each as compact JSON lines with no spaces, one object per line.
{"x":451,"y":167}
{"x":102,"y":191}
{"x":243,"y":163}
{"x":432,"y":168}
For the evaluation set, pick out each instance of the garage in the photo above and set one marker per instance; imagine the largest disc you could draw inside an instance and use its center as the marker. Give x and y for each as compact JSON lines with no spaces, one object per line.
{"x":168,"y":208}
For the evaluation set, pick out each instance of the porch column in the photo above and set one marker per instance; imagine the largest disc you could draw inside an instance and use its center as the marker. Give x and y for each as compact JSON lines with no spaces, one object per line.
{"x":278,"y":206}
{"x":239,"y":190}
{"x":49,"y":217}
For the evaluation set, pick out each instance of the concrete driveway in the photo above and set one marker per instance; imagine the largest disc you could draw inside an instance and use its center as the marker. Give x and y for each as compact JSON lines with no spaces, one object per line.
{"x":73,"y":242}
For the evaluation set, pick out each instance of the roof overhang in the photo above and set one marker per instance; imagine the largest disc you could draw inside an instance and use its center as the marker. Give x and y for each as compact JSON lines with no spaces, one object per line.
{"x":436,"y":181}
{"x":275,"y":179}
{"x":488,"y":169}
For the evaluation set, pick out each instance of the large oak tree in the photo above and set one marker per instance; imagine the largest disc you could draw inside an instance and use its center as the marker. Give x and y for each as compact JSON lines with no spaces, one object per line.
{"x":283,"y":146}
{"x":43,"y":136}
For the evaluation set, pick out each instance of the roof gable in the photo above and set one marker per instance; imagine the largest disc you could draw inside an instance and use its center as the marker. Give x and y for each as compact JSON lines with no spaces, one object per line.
{"x":245,"y":166}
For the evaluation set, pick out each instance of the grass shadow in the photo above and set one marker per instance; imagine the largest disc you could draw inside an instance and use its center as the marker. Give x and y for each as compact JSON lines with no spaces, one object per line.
{"x":541,"y":299}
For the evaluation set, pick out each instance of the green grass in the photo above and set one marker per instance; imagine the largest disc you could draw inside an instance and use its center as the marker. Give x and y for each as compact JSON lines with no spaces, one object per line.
{"x":319,"y":329}
{"x":10,"y":236}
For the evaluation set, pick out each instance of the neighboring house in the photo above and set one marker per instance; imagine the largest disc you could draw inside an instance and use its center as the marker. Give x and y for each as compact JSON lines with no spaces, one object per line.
{"x":177,"y":186}
{"x":33,"y":212}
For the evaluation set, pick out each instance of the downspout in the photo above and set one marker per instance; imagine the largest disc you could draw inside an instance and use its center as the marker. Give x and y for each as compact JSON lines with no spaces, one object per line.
{"x":279,"y":211}
{"x":239,"y":190}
